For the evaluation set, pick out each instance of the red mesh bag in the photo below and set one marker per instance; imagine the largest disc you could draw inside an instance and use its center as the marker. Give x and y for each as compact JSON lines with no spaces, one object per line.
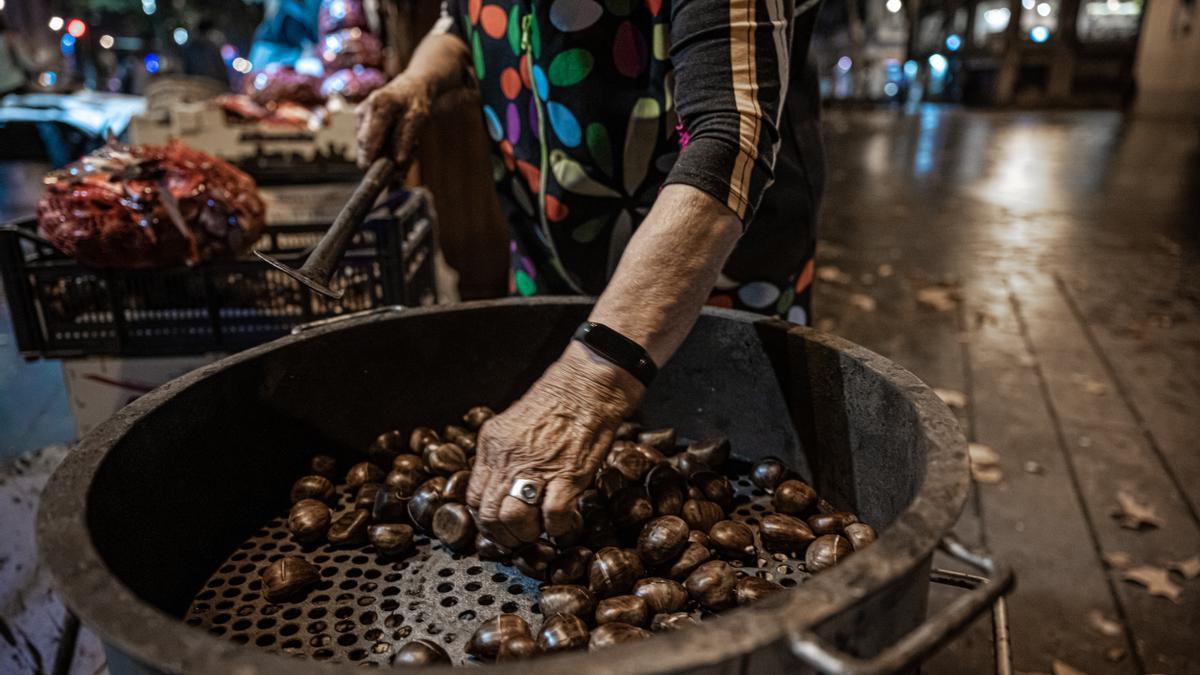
{"x":283,"y":83}
{"x":150,"y":206}
{"x":336,"y":15}
{"x":353,"y":84}
{"x":351,"y":47}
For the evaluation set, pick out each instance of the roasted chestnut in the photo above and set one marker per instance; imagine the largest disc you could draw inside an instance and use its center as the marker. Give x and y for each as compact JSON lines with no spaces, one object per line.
{"x":453,"y":432}
{"x":661,"y":595}
{"x":614,"y":571}
{"x":785,"y":534}
{"x":454,"y":526}
{"x":486,"y":641}
{"x":534,"y":559}
{"x":591,"y":505}
{"x":769,"y":473}
{"x":672,"y":622}
{"x":420,"y":652}
{"x":632,"y":464}
{"x":562,"y":632}
{"x":662,"y":539}
{"x":712,"y":585}
{"x":421,"y":437}
{"x":517,"y":648}
{"x":571,"y":566}
{"x":314,"y":487}
{"x":445,"y":458}
{"x":487,"y":549}
{"x":627,"y":431}
{"x":362,"y":473}
{"x":406,"y":482}
{"x":288,"y":577}
{"x":825,"y":552}
{"x":476,"y":416}
{"x":308,"y":521}
{"x":567,"y":599}
{"x":687,"y":464}
{"x":698,"y":537}
{"x":732,"y":539}
{"x":692,"y":557}
{"x":609,"y":480}
{"x":408,"y":462}
{"x":662,"y":440}
{"x":365,"y":499}
{"x":350,"y":528}
{"x":860,"y":535}
{"x":701,"y":514}
{"x":600,"y":534}
{"x":385,"y":447}
{"x":323,"y":465}
{"x":752,"y":589}
{"x":713,"y":452}
{"x":831,"y":523}
{"x":426,"y":501}
{"x":629,"y":609}
{"x":391,"y":506}
{"x":614,"y":634}
{"x":715,"y":488}
{"x":391,"y":539}
{"x":630,"y":508}
{"x":794,"y":497}
{"x":456,"y":487}
{"x":667,"y":489}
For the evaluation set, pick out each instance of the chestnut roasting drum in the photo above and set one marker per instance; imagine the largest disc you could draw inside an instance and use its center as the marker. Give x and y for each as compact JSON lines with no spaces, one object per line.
{"x":168,"y":532}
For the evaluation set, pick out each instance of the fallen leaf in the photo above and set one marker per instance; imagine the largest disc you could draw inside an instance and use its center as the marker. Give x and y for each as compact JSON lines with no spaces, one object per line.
{"x":1034,"y":468}
{"x":1115,"y":654}
{"x":1132,"y":514}
{"x":939,"y":298}
{"x":1189,"y":569}
{"x":1118,"y":559}
{"x":1103,"y":624}
{"x":952,"y":397}
{"x":1156,"y":580}
{"x":862,"y":301}
{"x":985,"y":464}
{"x":832,"y":274}
{"x":885,"y":270}
{"x":1063,"y":668}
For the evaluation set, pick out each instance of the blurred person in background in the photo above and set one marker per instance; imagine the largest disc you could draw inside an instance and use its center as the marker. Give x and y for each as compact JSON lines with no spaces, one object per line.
{"x":202,"y":55}
{"x":12,"y":72}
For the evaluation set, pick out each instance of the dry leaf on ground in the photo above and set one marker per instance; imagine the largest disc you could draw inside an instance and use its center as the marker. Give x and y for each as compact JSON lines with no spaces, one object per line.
{"x":939,"y":298}
{"x":985,"y":464}
{"x":862,"y":301}
{"x":1188,"y":569}
{"x":1064,"y":668}
{"x":952,"y":397}
{"x":885,"y":270}
{"x":1132,"y":514}
{"x":833,"y":274}
{"x":1156,"y":580}
{"x":1118,"y":559}
{"x":1103,"y":624}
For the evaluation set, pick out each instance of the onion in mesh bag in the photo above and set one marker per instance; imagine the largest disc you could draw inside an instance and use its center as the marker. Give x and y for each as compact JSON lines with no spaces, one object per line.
{"x":283,"y":83}
{"x":351,"y":47}
{"x":353,"y":84}
{"x":336,"y":15}
{"x":150,"y":206}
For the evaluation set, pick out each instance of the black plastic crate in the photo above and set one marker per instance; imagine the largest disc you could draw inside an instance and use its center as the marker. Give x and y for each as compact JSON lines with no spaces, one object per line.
{"x":63,"y":309}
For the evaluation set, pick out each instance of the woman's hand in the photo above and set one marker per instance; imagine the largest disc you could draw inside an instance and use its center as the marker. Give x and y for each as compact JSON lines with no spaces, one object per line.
{"x":391,"y":119}
{"x":557,"y":433}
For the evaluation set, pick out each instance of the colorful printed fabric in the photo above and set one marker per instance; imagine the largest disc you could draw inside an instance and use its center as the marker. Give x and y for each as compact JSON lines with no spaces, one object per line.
{"x":582,"y":100}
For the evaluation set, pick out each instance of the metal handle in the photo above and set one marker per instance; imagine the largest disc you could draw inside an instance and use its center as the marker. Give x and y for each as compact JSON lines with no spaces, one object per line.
{"x":923,"y":640}
{"x":389,"y":309}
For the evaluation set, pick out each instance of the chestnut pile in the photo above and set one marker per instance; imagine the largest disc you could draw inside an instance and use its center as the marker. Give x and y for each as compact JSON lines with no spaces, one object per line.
{"x":655,"y":548}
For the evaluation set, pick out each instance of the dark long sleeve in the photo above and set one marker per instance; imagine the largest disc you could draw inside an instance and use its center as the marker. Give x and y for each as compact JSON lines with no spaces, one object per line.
{"x":731,"y":61}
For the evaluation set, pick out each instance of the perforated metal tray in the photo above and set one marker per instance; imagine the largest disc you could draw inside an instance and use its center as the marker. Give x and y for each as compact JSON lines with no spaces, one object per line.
{"x":367,"y":606}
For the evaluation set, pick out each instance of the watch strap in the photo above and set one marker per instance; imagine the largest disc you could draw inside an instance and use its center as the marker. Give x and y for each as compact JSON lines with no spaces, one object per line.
{"x":617,"y":349}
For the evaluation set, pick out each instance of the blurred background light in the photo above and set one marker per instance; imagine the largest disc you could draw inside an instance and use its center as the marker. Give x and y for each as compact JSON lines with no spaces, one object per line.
{"x":56,"y":23}
{"x":67,"y":44}
{"x":891,"y":89}
{"x":152,"y":63}
{"x":106,"y":41}
{"x":997,"y":18}
{"x":953,"y":42}
{"x":1044,"y":9}
{"x":844,"y":63}
{"x":910,"y":68}
{"x":894,"y":6}
{"x":1039,"y":34}
{"x":242,"y":65}
{"x":938,"y":63}
{"x":48,"y":78}
{"x":180,"y":35}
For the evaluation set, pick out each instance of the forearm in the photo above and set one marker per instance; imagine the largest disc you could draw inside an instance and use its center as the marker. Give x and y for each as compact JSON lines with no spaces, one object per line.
{"x":665,"y":275}
{"x":442,"y":62}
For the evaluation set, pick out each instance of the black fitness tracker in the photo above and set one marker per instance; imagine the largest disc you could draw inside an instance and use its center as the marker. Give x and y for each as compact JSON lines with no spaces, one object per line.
{"x":617,"y":349}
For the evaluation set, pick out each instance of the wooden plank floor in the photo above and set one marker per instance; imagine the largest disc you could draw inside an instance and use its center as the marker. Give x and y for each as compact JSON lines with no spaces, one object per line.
{"x":1075,"y":338}
{"x":1068,"y":244}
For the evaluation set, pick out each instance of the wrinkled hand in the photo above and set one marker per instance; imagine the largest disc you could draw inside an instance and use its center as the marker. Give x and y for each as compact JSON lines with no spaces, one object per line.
{"x":558,"y":432}
{"x":391,"y":119}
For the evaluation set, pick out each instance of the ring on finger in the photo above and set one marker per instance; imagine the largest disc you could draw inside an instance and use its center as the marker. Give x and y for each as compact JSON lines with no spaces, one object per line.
{"x":528,"y":490}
